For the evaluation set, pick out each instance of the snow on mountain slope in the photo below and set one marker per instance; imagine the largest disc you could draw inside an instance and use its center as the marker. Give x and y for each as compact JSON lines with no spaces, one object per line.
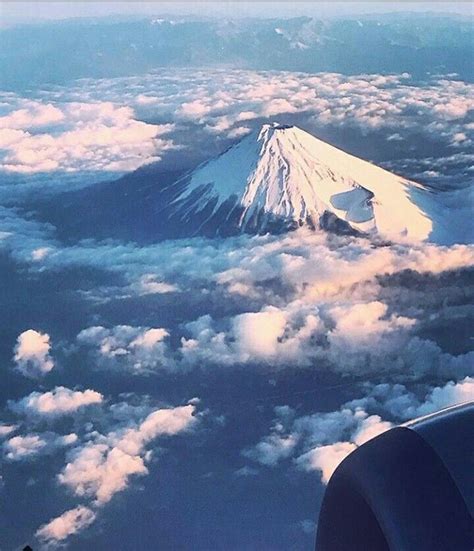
{"x":282,"y":176}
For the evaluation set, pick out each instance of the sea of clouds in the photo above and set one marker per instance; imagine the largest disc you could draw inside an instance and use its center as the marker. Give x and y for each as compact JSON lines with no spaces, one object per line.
{"x":389,"y":318}
{"x":116,"y":125}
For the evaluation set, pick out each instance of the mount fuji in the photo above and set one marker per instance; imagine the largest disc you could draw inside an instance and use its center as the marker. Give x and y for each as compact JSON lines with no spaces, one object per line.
{"x":280,"y":177}
{"x":277,"y":178}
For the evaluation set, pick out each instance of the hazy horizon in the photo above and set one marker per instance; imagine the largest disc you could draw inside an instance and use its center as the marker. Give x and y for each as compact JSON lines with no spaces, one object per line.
{"x":27,"y":11}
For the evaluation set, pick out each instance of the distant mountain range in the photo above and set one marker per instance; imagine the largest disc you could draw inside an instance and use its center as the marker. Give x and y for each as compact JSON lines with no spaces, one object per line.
{"x":56,"y":52}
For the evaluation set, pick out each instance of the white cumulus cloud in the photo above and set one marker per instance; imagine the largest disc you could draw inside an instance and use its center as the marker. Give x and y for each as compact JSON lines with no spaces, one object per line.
{"x":320,"y":441}
{"x":326,"y":458}
{"x":136,"y":349}
{"x":32,"y":356}
{"x":30,"y":446}
{"x":57,"y":402}
{"x":73,"y":136}
{"x":102,"y":467}
{"x":317,"y":442}
{"x":69,"y":523}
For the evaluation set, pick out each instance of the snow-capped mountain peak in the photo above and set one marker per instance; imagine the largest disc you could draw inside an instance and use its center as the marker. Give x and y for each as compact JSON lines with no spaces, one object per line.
{"x":281,"y":177}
